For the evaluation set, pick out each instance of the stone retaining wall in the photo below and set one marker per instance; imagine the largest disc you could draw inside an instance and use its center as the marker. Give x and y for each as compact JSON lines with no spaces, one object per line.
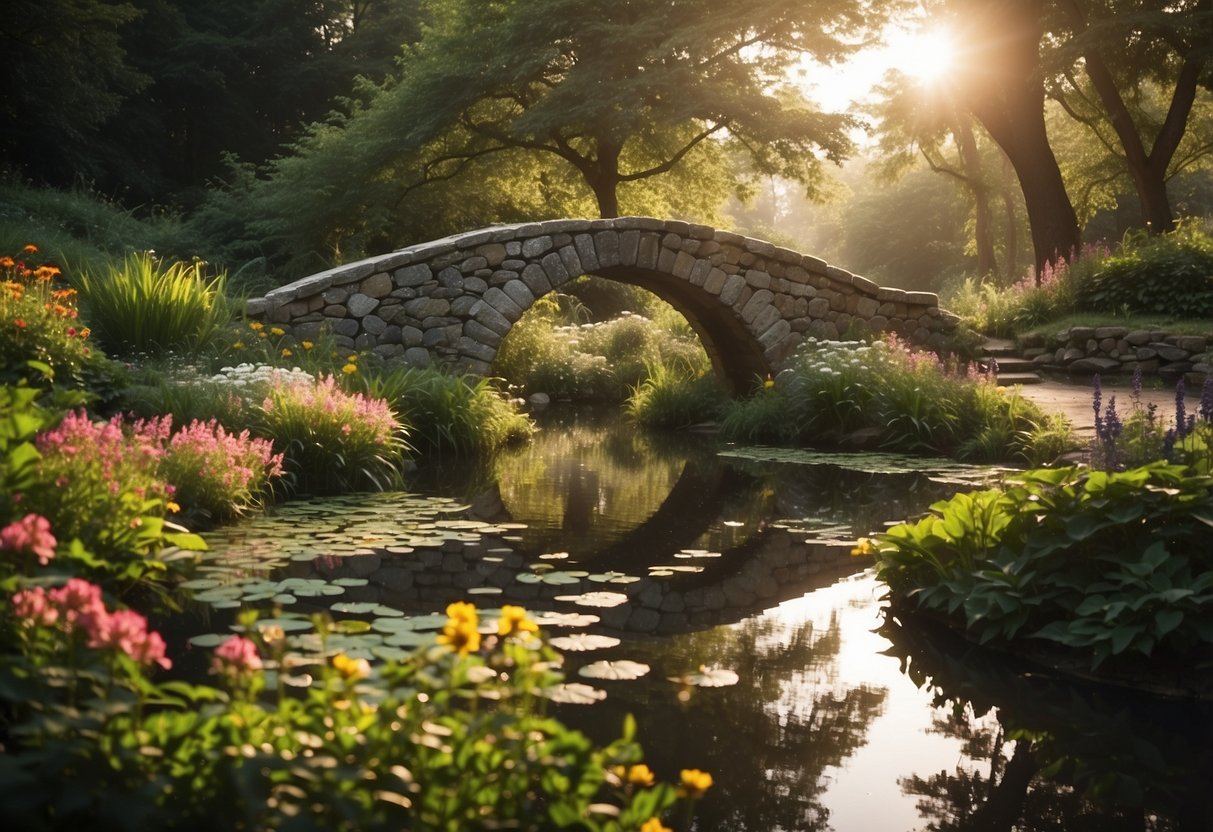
{"x":1118,"y":349}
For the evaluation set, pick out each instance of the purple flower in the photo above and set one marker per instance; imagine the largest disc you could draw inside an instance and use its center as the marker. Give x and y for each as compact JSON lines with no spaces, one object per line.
{"x":1181,"y":419}
{"x":1097,"y":404}
{"x":1206,"y":400}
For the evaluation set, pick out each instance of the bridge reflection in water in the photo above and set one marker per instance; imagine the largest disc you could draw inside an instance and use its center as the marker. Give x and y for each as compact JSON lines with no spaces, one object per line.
{"x":694,"y":560}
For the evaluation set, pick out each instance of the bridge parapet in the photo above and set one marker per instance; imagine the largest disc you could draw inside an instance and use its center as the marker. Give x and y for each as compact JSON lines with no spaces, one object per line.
{"x":453,"y":300}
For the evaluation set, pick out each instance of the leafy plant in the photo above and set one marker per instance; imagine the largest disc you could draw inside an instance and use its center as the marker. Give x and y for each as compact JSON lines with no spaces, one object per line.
{"x":332,"y":440}
{"x":1110,"y":563}
{"x":670,"y":399}
{"x":1170,"y":274}
{"x":145,"y":305}
{"x":445,"y":413}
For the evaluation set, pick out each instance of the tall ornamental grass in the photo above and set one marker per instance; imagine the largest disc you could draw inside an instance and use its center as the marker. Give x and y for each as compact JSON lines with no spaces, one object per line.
{"x":145,"y":305}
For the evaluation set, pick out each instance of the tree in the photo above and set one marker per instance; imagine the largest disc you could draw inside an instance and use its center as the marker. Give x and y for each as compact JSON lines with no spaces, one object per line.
{"x":65,"y":71}
{"x":999,"y":80}
{"x":618,"y":91}
{"x":1135,"y":54}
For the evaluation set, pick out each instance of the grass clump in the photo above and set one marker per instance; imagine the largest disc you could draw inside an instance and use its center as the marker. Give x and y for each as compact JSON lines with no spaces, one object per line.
{"x":884,"y":394}
{"x":447,"y":414}
{"x":671,"y":400}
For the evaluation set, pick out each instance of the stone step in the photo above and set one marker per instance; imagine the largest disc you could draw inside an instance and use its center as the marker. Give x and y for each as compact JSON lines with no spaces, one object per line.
{"x":998,"y":347}
{"x":1011,"y":379}
{"x":1010,"y":364}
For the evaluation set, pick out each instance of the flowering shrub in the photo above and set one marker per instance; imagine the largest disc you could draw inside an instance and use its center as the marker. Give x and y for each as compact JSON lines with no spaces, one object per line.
{"x":216,"y":473}
{"x":39,"y":321}
{"x":888,"y":394}
{"x":409,"y":744}
{"x":332,"y":440}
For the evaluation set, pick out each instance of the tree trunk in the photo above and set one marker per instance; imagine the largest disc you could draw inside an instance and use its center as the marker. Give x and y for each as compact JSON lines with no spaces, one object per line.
{"x":970,"y":159}
{"x":1011,"y":263}
{"x":1002,"y":87}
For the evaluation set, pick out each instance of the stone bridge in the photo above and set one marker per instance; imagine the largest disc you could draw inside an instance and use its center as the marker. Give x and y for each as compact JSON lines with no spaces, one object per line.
{"x":452,"y":301}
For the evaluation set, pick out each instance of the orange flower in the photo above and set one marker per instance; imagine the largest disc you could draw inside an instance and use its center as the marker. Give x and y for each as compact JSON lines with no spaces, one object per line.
{"x":30,"y":249}
{"x":6,"y":262}
{"x":84,"y":333}
{"x":19,"y":323}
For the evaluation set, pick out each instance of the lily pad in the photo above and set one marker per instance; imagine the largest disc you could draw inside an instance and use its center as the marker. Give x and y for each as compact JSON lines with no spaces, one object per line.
{"x":622,"y":670}
{"x":595,"y":599}
{"x":582,"y":642}
{"x":574,"y":693}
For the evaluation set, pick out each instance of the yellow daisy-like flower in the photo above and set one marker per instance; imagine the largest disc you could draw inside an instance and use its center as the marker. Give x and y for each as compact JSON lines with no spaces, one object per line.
{"x":349,"y":369}
{"x":514,"y":621}
{"x":307,"y":345}
{"x":863,"y":546}
{"x":256,"y":326}
{"x":461,"y":632}
{"x":351,"y":358}
{"x":172,"y":506}
{"x":277,"y":331}
{"x":695,"y":782}
{"x":238,"y":345}
{"x":654,"y":825}
{"x":286,"y":353}
{"x":351,"y":669}
{"x":640,"y":775}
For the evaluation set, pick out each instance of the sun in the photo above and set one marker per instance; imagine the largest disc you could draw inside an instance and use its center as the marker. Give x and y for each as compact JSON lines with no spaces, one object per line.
{"x":928,"y":56}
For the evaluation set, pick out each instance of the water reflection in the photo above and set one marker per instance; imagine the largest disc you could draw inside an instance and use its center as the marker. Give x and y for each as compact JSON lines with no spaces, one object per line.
{"x":723,"y":562}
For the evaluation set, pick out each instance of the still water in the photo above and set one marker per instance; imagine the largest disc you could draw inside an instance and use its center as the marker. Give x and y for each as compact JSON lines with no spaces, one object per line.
{"x":727,"y":574}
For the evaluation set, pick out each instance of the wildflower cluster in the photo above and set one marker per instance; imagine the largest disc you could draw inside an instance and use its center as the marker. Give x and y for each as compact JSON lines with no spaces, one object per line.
{"x":333,"y":439}
{"x":1144,"y":436}
{"x":888,"y":394}
{"x":39,"y":320}
{"x":219,"y":473}
{"x":55,"y":622}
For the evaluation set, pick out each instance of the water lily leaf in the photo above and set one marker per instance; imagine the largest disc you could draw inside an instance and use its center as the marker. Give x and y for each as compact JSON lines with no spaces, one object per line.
{"x":595,"y":599}
{"x":284,"y":598}
{"x":622,"y":670}
{"x":348,"y":582}
{"x":581,"y":642}
{"x":222,"y":593}
{"x":708,"y":677}
{"x":356,"y":607}
{"x":351,"y":626}
{"x":408,"y":639}
{"x":574,"y":693}
{"x":566,"y":619}
{"x":485,"y":590}
{"x":201,"y":583}
{"x":210,"y":639}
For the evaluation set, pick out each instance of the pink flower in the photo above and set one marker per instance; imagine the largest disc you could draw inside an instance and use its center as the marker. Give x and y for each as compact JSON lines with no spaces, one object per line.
{"x":238,"y":654}
{"x":34,"y":605}
{"x":31,"y":533}
{"x":126,"y":630}
{"x":80,"y":603}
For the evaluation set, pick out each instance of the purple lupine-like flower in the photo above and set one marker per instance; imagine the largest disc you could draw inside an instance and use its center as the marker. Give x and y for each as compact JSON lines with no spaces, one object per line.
{"x":1137,"y":385}
{"x":1206,"y":400}
{"x":1112,"y":424}
{"x":1097,"y":403}
{"x":1181,"y":418}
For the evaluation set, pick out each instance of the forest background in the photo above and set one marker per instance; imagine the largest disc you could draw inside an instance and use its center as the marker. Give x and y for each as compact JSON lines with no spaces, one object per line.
{"x":274,"y":138}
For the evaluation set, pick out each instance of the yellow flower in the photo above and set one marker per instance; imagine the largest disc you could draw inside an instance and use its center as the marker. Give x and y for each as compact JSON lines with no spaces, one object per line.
{"x":654,"y":825}
{"x":351,"y":669}
{"x":239,"y":345}
{"x":863,"y":546}
{"x":769,"y":383}
{"x":349,"y":369}
{"x":352,"y":358}
{"x":513,"y":620}
{"x":640,"y":775}
{"x":307,"y":345}
{"x":277,"y":331}
{"x":262,"y":335}
{"x":461,"y":632}
{"x":286,"y":353}
{"x":256,"y":326}
{"x":695,"y":782}
{"x":172,"y":506}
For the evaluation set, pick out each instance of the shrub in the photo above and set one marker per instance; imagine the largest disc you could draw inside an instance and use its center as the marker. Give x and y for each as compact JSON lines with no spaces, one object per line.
{"x":145,"y":305}
{"x":1168,"y":274}
{"x":885,"y":393}
{"x":1104,"y":564}
{"x":39,"y":323}
{"x":332,"y":440}
{"x":407,"y":745}
{"x":445,"y":413}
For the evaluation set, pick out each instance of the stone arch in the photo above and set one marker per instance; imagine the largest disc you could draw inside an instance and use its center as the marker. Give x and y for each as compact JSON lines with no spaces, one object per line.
{"x":452,"y":301}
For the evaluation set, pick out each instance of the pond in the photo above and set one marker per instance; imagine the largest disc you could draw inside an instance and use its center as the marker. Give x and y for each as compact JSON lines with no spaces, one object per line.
{"x":710,"y":591}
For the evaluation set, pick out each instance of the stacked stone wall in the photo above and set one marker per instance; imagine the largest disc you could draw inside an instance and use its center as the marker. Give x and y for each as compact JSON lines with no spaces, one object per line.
{"x":453,"y":300}
{"x":1106,"y":350}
